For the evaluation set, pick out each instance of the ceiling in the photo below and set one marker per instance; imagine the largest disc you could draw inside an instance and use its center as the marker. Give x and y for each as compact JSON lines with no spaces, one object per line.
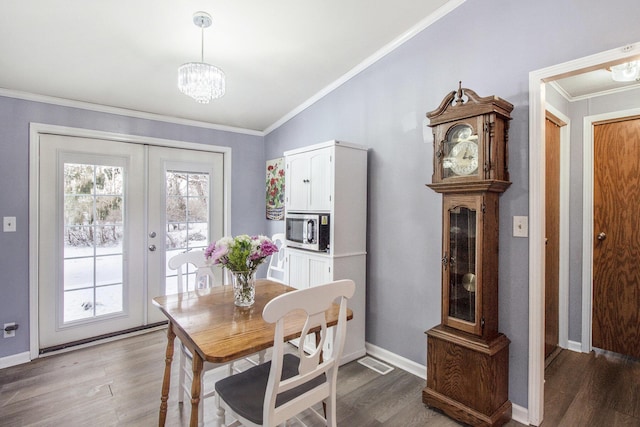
{"x":591,"y":83}
{"x":277,"y":55}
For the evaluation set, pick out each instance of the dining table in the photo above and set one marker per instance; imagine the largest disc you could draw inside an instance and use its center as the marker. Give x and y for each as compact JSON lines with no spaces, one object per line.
{"x":215,"y":330}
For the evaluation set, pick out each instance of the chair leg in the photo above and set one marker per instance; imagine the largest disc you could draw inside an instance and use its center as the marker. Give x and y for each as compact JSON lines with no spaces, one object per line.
{"x":220,"y":417}
{"x":330,"y":411}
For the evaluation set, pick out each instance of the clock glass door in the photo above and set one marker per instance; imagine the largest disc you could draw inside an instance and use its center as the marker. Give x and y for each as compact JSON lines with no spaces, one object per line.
{"x":460,"y":284}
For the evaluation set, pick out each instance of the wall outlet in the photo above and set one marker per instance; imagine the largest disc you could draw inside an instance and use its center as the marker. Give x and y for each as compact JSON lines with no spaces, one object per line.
{"x":11,"y":332}
{"x":520,"y":226}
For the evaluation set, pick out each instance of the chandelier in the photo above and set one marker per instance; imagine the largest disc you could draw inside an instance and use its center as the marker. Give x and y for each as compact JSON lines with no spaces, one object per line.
{"x":199,"y":80}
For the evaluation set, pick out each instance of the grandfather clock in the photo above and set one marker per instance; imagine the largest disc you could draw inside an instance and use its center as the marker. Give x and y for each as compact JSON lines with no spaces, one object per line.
{"x":467,"y":358}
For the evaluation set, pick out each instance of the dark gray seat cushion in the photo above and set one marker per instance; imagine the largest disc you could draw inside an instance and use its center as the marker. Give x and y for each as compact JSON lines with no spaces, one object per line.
{"x":244,"y":392}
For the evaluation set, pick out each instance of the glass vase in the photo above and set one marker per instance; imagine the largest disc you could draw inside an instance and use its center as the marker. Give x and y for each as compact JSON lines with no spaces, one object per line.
{"x":244,"y":287}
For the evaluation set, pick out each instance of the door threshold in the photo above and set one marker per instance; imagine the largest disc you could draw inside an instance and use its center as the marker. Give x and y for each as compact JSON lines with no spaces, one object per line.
{"x":88,"y":342}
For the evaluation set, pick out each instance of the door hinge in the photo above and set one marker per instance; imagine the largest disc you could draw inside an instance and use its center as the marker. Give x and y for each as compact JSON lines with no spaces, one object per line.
{"x":484,"y":207}
{"x":482,"y":322}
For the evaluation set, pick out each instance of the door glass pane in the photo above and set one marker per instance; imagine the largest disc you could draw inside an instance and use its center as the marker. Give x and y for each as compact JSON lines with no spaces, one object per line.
{"x":462,"y":275}
{"x":93,"y":236}
{"x":187,"y":198}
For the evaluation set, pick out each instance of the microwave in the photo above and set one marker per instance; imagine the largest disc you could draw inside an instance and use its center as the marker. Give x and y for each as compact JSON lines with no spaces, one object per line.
{"x":308,"y":231}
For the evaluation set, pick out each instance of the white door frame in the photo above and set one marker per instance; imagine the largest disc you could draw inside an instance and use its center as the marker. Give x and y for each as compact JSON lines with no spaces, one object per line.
{"x":35,"y":129}
{"x":537,"y":104}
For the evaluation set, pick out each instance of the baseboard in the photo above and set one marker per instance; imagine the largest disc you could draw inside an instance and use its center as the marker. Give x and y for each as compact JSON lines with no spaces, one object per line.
{"x":574,"y":346}
{"x":398,"y":361}
{"x":518,"y":413}
{"x":346,"y":358}
{"x":14,"y":359}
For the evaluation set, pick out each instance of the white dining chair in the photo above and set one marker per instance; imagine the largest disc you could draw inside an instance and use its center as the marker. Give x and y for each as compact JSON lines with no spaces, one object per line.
{"x":272,"y":393}
{"x":192,"y":266}
{"x":276,"y":270}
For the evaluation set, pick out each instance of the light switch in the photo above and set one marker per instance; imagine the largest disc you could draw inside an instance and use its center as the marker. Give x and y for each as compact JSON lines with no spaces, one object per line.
{"x":520,"y":226}
{"x":9,"y":224}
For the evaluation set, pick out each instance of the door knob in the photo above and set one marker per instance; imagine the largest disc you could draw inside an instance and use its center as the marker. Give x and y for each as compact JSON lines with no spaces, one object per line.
{"x":152,"y":248}
{"x":602,"y":235}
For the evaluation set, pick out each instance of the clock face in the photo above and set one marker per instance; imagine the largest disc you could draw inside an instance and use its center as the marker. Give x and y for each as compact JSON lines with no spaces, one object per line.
{"x":461,"y":146}
{"x":464,"y":158}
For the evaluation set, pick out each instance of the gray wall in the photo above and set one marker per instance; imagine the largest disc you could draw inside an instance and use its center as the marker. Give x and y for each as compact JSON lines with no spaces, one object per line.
{"x":491,"y":46}
{"x":247,"y":200}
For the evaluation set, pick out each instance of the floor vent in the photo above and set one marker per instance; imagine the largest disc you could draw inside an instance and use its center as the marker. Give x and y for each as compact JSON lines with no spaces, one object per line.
{"x":376,"y":365}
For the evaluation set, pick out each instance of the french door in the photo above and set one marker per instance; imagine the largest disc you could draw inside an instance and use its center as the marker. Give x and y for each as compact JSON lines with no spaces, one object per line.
{"x":110,"y":215}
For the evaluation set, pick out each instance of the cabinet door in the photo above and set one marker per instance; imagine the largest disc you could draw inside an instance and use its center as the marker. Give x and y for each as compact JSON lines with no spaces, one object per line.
{"x":298,"y":269}
{"x":297,"y":183}
{"x":320,"y":168}
{"x":308,"y":181}
{"x":307,"y":269}
{"x":319,"y":271}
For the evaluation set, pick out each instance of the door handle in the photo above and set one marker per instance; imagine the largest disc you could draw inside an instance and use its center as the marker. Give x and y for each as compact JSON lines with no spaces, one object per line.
{"x":152,"y":248}
{"x":602,"y":235}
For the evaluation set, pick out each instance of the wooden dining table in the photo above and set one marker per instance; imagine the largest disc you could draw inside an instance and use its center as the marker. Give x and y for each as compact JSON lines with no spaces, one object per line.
{"x":214,"y":329}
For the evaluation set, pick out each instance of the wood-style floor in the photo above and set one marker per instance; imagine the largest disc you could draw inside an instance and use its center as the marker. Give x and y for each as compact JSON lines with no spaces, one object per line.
{"x":596,"y":390}
{"x":118,"y":384}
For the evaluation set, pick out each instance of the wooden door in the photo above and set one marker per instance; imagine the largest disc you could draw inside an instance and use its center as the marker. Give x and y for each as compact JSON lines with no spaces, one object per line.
{"x":552,"y":233}
{"x":616,"y":251}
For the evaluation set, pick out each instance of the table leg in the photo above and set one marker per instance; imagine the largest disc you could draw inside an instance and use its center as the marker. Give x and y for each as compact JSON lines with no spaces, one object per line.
{"x":195,"y":387}
{"x":167,"y":375}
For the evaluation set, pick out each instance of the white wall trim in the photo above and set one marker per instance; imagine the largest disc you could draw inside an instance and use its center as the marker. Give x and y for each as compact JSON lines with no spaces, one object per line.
{"x":381,"y":53}
{"x":403,"y":363}
{"x":537,"y":103}
{"x":613,"y":91}
{"x":574,"y":346}
{"x":123,"y":111}
{"x":519,"y":414}
{"x":14,"y":359}
{"x":587,"y":218}
{"x":35,"y":130}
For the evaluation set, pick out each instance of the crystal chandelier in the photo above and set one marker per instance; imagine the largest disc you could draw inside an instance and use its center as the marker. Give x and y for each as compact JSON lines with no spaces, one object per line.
{"x":199,"y":80}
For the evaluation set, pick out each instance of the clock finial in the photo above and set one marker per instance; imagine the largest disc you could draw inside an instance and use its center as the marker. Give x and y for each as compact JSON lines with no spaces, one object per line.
{"x":459,"y":99}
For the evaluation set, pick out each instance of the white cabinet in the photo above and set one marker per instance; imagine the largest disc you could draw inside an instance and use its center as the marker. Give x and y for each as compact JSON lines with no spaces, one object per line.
{"x":332,"y":178}
{"x":308,"y":269}
{"x":308,"y":181}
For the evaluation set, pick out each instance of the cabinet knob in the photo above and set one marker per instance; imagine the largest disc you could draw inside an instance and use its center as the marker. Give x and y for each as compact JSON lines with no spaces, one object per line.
{"x":602,"y":235}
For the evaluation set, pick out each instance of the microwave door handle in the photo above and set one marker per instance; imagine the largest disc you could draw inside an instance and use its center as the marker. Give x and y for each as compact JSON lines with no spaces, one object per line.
{"x":310,"y":232}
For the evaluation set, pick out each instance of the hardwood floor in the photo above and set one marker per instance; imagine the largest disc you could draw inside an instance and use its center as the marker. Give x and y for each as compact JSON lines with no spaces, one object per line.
{"x":118,"y":384}
{"x":595,"y":389}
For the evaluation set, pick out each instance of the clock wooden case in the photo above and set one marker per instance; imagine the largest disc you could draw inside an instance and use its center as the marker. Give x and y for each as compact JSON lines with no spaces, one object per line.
{"x":467,"y":357}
